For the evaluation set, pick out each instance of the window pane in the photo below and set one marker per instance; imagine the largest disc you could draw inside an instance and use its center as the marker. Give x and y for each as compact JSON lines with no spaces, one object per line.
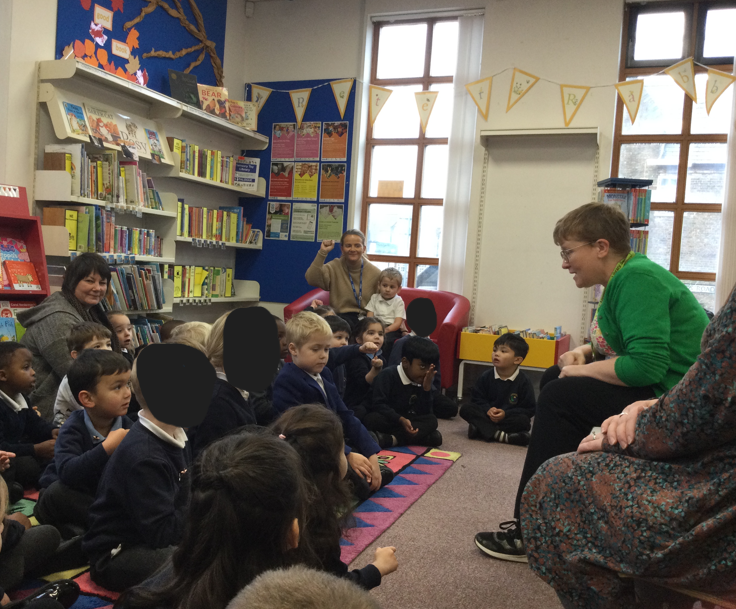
{"x":389,"y":229}
{"x":430,"y":231}
{"x":444,"y":49}
{"x":660,"y":111}
{"x":401,"y":50}
{"x":720,"y":25}
{"x":426,"y":277}
{"x":440,"y":121}
{"x":393,"y":163}
{"x":399,"y":117}
{"x":659,"y":248}
{"x":659,"y":36}
{"x":706,"y":173}
{"x":434,"y":173}
{"x":656,"y":162}
{"x":720,"y":114}
{"x":402,"y":267}
{"x":704,"y":292}
{"x":701,"y":236}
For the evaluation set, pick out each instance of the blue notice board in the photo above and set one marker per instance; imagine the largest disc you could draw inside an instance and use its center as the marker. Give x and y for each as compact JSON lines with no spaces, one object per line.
{"x":280,"y":267}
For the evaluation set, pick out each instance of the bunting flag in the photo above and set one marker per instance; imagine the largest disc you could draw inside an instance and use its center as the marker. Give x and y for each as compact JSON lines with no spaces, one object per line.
{"x":425,"y":104}
{"x":480,"y":91}
{"x":299,"y":100}
{"x":572,"y":99}
{"x":718,"y":82}
{"x":259,"y":96}
{"x":341,"y":90}
{"x":378,"y":97}
{"x":521,"y":83}
{"x":630,"y":93}
{"x":683,"y":73}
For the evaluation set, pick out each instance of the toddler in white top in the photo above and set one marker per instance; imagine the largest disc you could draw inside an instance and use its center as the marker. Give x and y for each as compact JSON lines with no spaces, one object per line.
{"x":388,"y":306}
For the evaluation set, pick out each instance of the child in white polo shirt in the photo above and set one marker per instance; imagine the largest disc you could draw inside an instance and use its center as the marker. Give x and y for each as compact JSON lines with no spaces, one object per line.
{"x":388,"y":306}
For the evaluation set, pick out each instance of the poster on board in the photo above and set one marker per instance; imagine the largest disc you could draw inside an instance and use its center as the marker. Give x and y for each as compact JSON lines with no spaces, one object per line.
{"x":277,"y":221}
{"x":303,"y":221}
{"x":283,"y":141}
{"x":281,"y":184}
{"x":330,"y":222}
{"x":306,"y":180}
{"x":332,"y":185}
{"x":308,"y":138}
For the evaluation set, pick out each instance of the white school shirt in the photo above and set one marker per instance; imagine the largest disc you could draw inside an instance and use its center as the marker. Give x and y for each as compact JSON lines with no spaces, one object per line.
{"x":511,"y":378}
{"x":386,"y":310}
{"x":17,"y":403}
{"x":179,"y":439}
{"x":65,"y":403}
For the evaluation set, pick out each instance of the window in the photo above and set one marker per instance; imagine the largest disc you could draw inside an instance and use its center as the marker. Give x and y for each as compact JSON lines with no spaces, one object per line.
{"x":674,"y":142}
{"x":405,"y":169}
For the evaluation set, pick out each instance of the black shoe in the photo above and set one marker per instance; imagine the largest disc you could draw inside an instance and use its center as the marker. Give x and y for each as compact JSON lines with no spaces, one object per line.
{"x":434,"y":439}
{"x":505,"y":544}
{"x":387,"y":475}
{"x":473,"y":432}
{"x":15,"y":492}
{"x":384,"y":440}
{"x":65,"y":592}
{"x":519,"y":439}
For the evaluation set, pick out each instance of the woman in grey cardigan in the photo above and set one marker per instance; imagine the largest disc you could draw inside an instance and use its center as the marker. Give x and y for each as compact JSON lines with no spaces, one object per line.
{"x":48,"y":324}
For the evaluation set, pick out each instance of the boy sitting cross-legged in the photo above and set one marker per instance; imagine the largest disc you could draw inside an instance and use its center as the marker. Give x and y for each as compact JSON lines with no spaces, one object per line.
{"x":87,"y":335}
{"x":99,"y":380}
{"x":503,"y":400}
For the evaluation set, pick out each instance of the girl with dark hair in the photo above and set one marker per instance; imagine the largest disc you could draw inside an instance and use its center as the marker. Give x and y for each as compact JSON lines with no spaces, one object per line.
{"x":49,"y":323}
{"x":361,"y":371}
{"x":245,"y":512}
{"x":316,"y":434}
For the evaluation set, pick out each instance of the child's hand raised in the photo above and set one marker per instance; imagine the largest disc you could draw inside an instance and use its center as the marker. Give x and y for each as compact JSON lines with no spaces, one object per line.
{"x":368,"y":347}
{"x":377,"y":364}
{"x":428,"y":378}
{"x":327,"y":246}
{"x":316,"y":303}
{"x":385,"y":560}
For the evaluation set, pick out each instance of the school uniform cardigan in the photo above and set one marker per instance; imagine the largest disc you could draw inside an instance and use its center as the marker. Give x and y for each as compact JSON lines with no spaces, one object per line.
{"x":357,"y":390}
{"x":393,"y":399}
{"x":513,"y":396}
{"x":17,"y":428}
{"x":335,"y":278}
{"x":78,"y":458}
{"x":338,"y":358}
{"x":142,"y":495}
{"x":294,"y":387}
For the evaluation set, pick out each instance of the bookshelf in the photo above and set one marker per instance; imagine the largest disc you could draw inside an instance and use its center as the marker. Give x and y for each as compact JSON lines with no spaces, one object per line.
{"x":78,"y":83}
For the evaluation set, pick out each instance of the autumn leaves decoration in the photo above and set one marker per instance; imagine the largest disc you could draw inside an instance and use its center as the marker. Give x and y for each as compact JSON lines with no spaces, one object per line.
{"x":98,"y":57}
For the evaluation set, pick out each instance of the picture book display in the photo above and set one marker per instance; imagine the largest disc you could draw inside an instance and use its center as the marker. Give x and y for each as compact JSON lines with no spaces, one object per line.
{"x":213,"y":100}
{"x":135,"y":135}
{"x":335,"y":141}
{"x":282,"y":182}
{"x":10,"y":327}
{"x":283,"y":142}
{"x":7,"y":330}
{"x":157,"y":151}
{"x":306,"y":180}
{"x":332,"y":185}
{"x":21,"y":275}
{"x":75,"y":117}
{"x":184,"y":87}
{"x":277,"y":221}
{"x":308,"y":138}
{"x":11,"y":250}
{"x":102,"y":126}
{"x":243,"y":113}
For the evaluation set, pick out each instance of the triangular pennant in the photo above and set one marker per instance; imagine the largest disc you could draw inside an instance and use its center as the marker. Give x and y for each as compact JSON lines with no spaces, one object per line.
{"x":521,"y":82}
{"x":259,"y":96}
{"x":425,"y":102}
{"x":299,"y":100}
{"x":572,"y":99}
{"x":341,"y":91}
{"x":718,"y":82}
{"x":683,"y":73}
{"x":378,"y":98}
{"x":480,"y":91}
{"x":630,"y":93}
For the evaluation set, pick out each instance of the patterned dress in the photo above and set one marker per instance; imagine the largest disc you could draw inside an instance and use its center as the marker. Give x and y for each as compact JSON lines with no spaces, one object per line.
{"x":664,"y":509}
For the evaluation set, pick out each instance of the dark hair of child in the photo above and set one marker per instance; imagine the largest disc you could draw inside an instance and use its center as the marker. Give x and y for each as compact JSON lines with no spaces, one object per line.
{"x":83,"y":333}
{"x":515,"y":342}
{"x":325,"y":310}
{"x":168,"y":328}
{"x":362,"y":326}
{"x":316,"y":434}
{"x":338,"y":324}
{"x":7,"y":350}
{"x":91,"y":365}
{"x":424,"y":349}
{"x":246,"y":491}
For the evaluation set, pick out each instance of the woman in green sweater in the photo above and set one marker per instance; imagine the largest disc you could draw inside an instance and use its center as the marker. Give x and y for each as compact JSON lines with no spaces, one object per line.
{"x":644,"y":337}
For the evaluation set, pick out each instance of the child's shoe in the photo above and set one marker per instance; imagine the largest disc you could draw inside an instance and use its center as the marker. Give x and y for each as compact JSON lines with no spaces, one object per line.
{"x":387,"y":475}
{"x":473,"y":433}
{"x":434,"y":439}
{"x":519,"y":439}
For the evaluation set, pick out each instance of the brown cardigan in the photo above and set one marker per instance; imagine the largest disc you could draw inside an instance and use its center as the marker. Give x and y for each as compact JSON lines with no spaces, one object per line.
{"x":333,"y":277}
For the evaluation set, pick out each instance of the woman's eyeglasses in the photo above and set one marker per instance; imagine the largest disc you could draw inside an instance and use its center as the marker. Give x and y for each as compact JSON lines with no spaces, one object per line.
{"x":565,"y":254}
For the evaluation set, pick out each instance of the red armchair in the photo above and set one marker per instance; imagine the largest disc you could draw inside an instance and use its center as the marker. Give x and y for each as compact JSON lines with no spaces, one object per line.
{"x":452,"y":315}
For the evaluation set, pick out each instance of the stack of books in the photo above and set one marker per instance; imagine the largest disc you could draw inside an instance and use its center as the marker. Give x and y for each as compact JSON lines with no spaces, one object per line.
{"x":135,"y":288}
{"x":201,"y":281}
{"x":226,"y":224}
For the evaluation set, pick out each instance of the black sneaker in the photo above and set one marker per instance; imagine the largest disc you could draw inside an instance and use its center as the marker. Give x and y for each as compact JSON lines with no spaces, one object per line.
{"x":505,"y":544}
{"x":387,"y":475}
{"x":65,"y":592}
{"x":434,"y":439}
{"x":519,"y":439}
{"x":384,"y":440}
{"x":473,"y":433}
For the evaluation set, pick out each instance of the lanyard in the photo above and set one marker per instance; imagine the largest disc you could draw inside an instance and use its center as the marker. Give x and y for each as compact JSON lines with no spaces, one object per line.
{"x":358,"y":298}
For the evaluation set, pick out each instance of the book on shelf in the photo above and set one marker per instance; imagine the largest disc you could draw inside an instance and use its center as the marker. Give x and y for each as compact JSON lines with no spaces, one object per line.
{"x":7,"y":330}
{"x":103,"y":128}
{"x":157,"y":151}
{"x":145,"y":331}
{"x":214,"y":165}
{"x":21,"y":275}
{"x":635,"y":203}
{"x":57,"y":161}
{"x":11,"y":250}
{"x":9,"y":310}
{"x":225,"y":224}
{"x":213,"y":100}
{"x":183,"y":87}
{"x":201,"y":281}
{"x":243,"y":113}
{"x":76,"y":119}
{"x":78,"y":161}
{"x":135,"y":288}
{"x":639,"y":240}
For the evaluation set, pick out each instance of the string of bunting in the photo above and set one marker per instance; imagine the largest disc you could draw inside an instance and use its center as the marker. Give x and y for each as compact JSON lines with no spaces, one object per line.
{"x":572,"y":96}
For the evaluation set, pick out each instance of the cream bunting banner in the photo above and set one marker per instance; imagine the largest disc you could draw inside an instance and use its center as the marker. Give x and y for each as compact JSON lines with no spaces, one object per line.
{"x":341,"y":90}
{"x":378,"y":98}
{"x":259,"y":96}
{"x":480,"y":92}
{"x":425,"y":104}
{"x":521,"y":83}
{"x":630,"y":92}
{"x":683,"y":73}
{"x":718,"y":82}
{"x":572,"y":99}
{"x":299,"y":100}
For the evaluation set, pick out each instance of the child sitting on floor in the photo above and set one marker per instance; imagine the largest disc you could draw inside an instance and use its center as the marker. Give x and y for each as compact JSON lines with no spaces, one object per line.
{"x":22,"y":430}
{"x":87,"y":335}
{"x":192,"y":333}
{"x":362,"y":371}
{"x":168,"y":328}
{"x":401,"y":411}
{"x":124,"y":331}
{"x":503,"y":400}
{"x":316,"y":434}
{"x":262,"y":401}
{"x":388,"y":306}
{"x":99,"y":380}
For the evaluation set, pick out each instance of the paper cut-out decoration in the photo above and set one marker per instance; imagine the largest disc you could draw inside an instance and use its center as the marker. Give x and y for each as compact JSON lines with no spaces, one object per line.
{"x":132,"y":39}
{"x":630,"y":93}
{"x":97,"y":33}
{"x":717,"y":83}
{"x":103,"y":17}
{"x":683,"y":73}
{"x":572,"y":99}
{"x":102,"y":56}
{"x":299,"y":100}
{"x":425,"y":103}
{"x":341,"y":90}
{"x":480,"y":92}
{"x":117,"y":5}
{"x":133,"y":65}
{"x":521,"y":83}
{"x":378,"y":97}
{"x":68,"y":51}
{"x":120,"y":49}
{"x":259,"y":96}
